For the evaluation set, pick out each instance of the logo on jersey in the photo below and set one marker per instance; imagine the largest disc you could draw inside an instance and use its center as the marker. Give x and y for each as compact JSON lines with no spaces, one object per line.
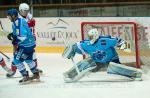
{"x":99,"y":55}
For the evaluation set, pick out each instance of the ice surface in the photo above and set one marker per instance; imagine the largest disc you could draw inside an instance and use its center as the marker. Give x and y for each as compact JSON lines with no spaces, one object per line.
{"x":96,"y":85}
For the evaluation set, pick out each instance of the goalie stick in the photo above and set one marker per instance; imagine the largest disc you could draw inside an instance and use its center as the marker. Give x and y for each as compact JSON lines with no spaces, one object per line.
{"x":71,"y":58}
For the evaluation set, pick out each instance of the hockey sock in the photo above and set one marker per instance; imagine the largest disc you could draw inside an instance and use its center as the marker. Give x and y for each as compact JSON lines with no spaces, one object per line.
{"x":13,"y":67}
{"x":35,"y":61}
{"x":32,"y":66}
{"x":3,"y":64}
{"x":21,"y":69}
{"x":24,"y":72}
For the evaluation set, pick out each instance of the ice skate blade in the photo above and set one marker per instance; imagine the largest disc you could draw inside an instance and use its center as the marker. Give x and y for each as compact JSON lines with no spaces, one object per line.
{"x":25,"y":83}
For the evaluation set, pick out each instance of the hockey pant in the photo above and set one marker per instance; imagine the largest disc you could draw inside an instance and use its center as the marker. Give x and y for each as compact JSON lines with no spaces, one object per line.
{"x":21,"y":56}
{"x":14,"y":67}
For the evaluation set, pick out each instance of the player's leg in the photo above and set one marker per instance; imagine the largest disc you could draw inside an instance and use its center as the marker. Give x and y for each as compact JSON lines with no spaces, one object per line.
{"x":32,"y":65}
{"x":36,"y":62}
{"x":33,"y":69}
{"x":13,"y":69}
{"x":84,"y":66}
{"x":100,"y":67}
{"x":18,"y":61}
{"x":13,"y":66}
{"x":4,"y":66}
{"x":124,"y":70}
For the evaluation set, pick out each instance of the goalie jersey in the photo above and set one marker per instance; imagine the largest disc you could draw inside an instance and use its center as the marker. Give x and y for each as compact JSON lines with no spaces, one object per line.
{"x":102,"y":51}
{"x":22,"y":34}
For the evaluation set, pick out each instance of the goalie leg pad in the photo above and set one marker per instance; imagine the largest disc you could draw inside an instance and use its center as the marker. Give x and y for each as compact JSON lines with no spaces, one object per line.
{"x":84,"y":67}
{"x":124,"y":70}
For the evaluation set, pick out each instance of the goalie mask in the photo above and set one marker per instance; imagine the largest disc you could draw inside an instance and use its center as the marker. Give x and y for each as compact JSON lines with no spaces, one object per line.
{"x":93,"y":35}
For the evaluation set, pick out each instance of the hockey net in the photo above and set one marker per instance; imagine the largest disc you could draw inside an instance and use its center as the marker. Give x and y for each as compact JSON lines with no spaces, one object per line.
{"x":134,"y":52}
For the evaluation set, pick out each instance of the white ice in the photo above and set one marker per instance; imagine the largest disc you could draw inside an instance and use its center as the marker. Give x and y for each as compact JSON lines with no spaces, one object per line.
{"x":96,"y":85}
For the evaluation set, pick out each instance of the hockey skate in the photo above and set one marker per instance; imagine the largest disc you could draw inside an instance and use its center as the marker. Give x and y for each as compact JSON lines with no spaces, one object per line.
{"x":25,"y":80}
{"x":35,"y":77}
{"x":10,"y":74}
{"x":40,"y":71}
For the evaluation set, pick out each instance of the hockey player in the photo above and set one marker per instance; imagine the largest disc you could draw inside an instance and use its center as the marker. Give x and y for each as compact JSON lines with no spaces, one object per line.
{"x":4,"y":66}
{"x":24,"y":13}
{"x":101,"y":51}
{"x":24,"y":38}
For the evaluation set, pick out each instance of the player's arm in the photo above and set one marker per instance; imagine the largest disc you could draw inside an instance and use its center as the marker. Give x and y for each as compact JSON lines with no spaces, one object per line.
{"x":72,"y":49}
{"x":31,"y":22}
{"x":12,"y":37}
{"x":116,"y":42}
{"x":120,"y":42}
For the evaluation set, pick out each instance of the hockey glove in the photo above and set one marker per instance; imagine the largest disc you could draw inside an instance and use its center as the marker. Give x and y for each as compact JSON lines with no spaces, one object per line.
{"x":10,"y":36}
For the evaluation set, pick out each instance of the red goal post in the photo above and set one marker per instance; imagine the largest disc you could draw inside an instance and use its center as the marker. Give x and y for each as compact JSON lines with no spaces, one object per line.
{"x":125,"y":30}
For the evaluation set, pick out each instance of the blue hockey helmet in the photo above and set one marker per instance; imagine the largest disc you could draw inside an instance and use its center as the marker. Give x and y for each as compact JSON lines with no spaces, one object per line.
{"x":12,"y":12}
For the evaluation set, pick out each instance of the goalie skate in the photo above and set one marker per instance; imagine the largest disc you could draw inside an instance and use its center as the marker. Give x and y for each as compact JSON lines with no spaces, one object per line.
{"x":137,"y":77}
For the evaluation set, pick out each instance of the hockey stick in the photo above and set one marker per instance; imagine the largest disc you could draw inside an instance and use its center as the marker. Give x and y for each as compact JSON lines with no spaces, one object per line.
{"x":5,"y":55}
{"x":76,"y":67}
{"x":2,"y":28}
